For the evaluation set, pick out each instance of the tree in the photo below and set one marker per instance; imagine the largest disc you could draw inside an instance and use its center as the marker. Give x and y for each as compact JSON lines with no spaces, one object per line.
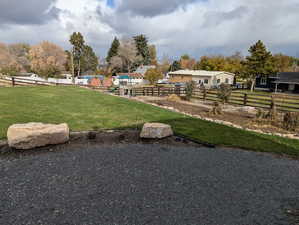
{"x":89,"y":60}
{"x":165,"y":64}
{"x":185,"y":57}
{"x":8,"y":64}
{"x":141,"y":42}
{"x":47,"y":59}
{"x":175,"y":66}
{"x":20,"y":52}
{"x":127,"y":56}
{"x":187,"y":63}
{"x":284,"y":63}
{"x":153,"y":55}
{"x":153,"y":75}
{"x":77,"y":41}
{"x":260,"y":62}
{"x":113,"y":51}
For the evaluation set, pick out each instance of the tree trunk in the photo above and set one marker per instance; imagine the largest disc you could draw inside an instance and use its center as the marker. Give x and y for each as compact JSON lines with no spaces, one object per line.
{"x":79,"y":68}
{"x":252,"y":85}
{"x":73,"y":68}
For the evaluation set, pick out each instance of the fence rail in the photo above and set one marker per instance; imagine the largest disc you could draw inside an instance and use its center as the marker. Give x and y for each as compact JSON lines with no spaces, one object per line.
{"x":14,"y":81}
{"x":282,"y":101}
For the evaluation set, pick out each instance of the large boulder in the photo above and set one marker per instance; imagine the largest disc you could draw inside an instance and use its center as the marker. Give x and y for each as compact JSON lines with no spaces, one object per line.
{"x":32,"y":135}
{"x":156,"y":131}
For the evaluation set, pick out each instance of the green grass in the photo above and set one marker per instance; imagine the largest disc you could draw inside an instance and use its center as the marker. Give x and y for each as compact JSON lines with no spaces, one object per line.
{"x":85,"y":109}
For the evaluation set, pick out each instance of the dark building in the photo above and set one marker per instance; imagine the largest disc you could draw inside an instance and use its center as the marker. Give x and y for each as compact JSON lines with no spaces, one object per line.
{"x":282,"y":82}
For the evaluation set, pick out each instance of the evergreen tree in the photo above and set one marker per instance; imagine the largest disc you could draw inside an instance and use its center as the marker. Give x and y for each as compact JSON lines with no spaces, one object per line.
{"x":113,"y":51}
{"x":175,"y":66}
{"x":260,"y":62}
{"x":143,"y":49}
{"x":89,"y":60}
{"x":77,"y":42}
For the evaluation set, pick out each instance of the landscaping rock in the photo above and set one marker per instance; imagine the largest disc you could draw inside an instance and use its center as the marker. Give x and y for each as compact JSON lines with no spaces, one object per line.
{"x":248,"y":109}
{"x":32,"y":135}
{"x":156,"y":130}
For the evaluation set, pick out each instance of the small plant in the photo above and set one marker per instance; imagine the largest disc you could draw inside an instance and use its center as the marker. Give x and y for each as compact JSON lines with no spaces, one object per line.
{"x":224,"y":92}
{"x":272,"y":115}
{"x":291,"y":121}
{"x":190,"y":86}
{"x":217,"y":109}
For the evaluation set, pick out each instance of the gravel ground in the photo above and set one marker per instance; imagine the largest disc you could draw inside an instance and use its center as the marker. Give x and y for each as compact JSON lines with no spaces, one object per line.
{"x":135,"y":184}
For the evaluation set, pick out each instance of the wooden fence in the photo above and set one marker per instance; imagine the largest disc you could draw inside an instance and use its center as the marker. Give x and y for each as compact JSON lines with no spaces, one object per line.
{"x":283,"y":102}
{"x":14,"y":81}
{"x":152,"y":91}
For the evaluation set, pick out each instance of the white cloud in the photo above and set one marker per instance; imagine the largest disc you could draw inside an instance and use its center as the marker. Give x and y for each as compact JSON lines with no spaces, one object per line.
{"x":195,"y":27}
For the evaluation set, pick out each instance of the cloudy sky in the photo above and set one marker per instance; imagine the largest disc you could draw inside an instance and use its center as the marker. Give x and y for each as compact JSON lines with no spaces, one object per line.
{"x":196,"y":27}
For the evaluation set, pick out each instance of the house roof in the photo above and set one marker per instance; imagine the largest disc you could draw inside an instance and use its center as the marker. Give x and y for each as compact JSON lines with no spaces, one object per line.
{"x":199,"y":73}
{"x":129,"y":75}
{"x":288,"y":77}
{"x":143,"y":69}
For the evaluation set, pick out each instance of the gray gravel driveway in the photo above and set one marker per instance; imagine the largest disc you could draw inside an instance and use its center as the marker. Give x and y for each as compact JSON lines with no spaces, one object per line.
{"x":135,"y":184}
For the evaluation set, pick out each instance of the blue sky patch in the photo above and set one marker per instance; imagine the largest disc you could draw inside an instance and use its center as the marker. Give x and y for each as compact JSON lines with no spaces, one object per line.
{"x":110,"y":3}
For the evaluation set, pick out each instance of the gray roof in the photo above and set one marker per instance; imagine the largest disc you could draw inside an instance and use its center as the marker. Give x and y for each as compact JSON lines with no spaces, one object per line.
{"x":288,"y":77}
{"x":143,"y":69}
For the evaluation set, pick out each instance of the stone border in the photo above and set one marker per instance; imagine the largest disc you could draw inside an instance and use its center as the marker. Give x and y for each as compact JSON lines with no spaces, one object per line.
{"x":79,"y":139}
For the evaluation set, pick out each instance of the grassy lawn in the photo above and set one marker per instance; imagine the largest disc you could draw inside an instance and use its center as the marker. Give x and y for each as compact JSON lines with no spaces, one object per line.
{"x":85,"y":109}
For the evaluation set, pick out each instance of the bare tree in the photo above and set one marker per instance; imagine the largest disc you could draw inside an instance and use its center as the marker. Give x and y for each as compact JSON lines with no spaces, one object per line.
{"x":127,"y":54}
{"x":8,"y":63}
{"x":47,"y":59}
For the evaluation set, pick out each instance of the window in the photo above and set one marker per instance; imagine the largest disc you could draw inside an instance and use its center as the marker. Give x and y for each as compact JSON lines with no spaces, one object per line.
{"x":226,"y":80}
{"x":206,"y":81}
{"x":263,"y":81}
{"x":199,"y":81}
{"x":218,"y":81}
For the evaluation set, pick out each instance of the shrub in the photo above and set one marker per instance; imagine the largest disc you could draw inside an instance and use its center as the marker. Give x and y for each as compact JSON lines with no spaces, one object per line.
{"x":224,"y":92}
{"x":217,"y":109}
{"x":190,"y":86}
{"x":291,"y":121}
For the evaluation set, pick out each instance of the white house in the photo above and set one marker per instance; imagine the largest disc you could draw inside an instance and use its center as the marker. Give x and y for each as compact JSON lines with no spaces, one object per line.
{"x":201,"y":77}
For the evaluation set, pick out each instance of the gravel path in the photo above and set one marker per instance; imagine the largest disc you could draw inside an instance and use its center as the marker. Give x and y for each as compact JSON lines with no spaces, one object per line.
{"x":135,"y":184}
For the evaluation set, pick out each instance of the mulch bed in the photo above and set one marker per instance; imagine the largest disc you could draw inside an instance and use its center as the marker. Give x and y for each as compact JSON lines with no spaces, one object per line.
{"x":244,"y":120}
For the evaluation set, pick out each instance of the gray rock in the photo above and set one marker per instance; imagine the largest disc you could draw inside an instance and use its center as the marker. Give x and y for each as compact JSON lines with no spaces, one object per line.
{"x":248,"y":109}
{"x":156,"y":130}
{"x":32,"y":135}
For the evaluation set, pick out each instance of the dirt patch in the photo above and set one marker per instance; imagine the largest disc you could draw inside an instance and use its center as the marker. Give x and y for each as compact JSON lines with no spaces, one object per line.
{"x":244,"y":120}
{"x":96,"y":138}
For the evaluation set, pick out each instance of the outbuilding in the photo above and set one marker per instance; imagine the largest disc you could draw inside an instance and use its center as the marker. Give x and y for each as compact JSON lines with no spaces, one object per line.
{"x":207,"y":78}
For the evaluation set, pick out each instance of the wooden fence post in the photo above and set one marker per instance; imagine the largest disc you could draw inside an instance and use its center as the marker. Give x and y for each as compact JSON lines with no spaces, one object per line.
{"x":13,"y":81}
{"x":152,"y":91}
{"x":245,"y":99}
{"x":158,"y":91}
{"x":204,"y":94}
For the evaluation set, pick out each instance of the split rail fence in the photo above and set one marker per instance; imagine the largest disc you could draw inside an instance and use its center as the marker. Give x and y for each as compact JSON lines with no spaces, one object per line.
{"x":283,"y":102}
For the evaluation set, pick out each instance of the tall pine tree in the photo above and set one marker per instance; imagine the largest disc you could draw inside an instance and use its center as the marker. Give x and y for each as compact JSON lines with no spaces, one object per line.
{"x":260,"y":62}
{"x":113,"y":51}
{"x":143,"y":49}
{"x":77,"y":42}
{"x":89,"y":60}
